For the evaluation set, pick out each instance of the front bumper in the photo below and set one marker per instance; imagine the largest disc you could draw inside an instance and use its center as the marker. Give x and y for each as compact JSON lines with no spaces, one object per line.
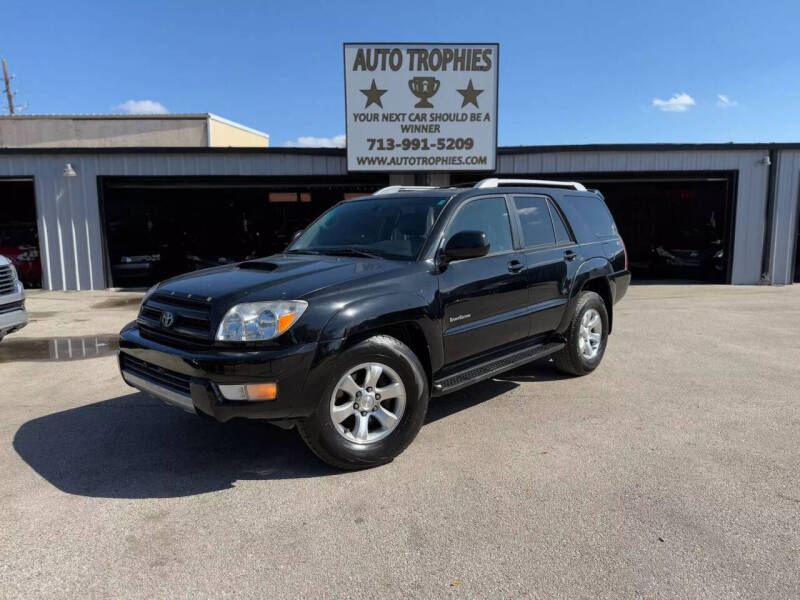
{"x":189,"y":379}
{"x":12,"y":312}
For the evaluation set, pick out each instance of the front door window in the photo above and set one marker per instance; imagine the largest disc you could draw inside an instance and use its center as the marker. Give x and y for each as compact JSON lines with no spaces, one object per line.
{"x":489,"y":215}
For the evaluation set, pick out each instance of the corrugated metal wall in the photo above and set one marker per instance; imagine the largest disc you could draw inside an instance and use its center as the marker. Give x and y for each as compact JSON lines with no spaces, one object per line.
{"x":751,"y":192}
{"x":67,"y":208}
{"x":785,"y":223}
{"x":71,"y":232}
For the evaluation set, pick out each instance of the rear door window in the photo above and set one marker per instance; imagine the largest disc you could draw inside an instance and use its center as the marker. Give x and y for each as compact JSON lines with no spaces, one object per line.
{"x":534,"y":217}
{"x":562,"y":233}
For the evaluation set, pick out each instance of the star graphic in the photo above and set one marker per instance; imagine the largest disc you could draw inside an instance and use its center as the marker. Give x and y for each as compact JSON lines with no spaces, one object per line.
{"x":373,"y":95}
{"x":470,"y":95}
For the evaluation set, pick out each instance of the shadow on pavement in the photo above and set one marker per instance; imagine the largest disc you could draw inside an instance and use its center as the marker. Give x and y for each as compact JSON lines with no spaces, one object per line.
{"x":135,"y":446}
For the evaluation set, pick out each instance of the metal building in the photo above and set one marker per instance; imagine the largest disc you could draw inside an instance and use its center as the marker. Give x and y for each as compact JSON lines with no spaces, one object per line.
{"x":124,"y":216}
{"x":203,"y":130}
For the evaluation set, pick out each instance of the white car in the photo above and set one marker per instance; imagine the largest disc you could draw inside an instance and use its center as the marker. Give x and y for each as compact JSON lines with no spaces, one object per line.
{"x":12,"y":299}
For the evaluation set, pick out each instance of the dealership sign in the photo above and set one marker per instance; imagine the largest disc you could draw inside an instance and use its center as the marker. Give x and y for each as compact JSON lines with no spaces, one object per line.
{"x":421,"y":107}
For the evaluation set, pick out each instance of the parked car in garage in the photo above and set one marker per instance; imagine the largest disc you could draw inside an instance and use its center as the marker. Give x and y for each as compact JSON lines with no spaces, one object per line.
{"x":15,"y":245}
{"x":706,"y":263}
{"x":381,"y":303}
{"x":12,"y":299}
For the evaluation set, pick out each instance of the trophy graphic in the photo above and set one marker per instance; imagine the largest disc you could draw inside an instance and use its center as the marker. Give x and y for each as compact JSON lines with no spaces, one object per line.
{"x":423,"y":88}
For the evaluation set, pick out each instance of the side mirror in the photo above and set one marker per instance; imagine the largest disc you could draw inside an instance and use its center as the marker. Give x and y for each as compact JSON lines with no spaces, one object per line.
{"x":466,"y":244}
{"x":296,"y":235}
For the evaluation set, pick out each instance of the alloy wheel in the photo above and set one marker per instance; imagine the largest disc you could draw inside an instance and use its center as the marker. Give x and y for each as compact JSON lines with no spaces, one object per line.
{"x":590,"y":334}
{"x":368,"y":403}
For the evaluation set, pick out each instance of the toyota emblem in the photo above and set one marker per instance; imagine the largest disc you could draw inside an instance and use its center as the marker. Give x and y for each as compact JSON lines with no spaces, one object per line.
{"x":167,"y":319}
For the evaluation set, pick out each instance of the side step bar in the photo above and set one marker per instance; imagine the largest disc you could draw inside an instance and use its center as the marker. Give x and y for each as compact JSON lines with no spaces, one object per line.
{"x":462,"y":379}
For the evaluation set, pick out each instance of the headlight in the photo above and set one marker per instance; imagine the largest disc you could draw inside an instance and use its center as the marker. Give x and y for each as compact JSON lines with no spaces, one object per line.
{"x":259,"y":321}
{"x":29,"y":256}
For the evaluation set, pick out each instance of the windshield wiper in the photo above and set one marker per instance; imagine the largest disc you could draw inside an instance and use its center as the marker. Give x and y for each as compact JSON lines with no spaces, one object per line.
{"x":351,"y":252}
{"x":303,"y":252}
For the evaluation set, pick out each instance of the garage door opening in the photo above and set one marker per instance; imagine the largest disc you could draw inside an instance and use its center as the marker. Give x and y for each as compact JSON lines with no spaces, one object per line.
{"x":19,"y":234}
{"x":797,"y":253}
{"x":674,"y":229}
{"x":158,"y":228}
{"x":676,"y":226}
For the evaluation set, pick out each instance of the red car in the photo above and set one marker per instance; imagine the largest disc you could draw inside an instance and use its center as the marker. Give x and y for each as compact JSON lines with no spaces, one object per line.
{"x":18,"y":244}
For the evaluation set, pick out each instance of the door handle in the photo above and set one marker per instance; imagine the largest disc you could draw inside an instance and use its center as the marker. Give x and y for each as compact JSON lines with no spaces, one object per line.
{"x":570,"y":255}
{"x":515,"y":266}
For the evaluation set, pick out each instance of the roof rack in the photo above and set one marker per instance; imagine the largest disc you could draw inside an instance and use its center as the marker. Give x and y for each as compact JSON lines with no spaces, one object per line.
{"x":396,"y":189}
{"x":491,"y":182}
{"x":495,"y":182}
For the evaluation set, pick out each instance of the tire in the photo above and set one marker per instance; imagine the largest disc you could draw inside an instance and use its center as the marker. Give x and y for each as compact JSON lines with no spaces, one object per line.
{"x":573,"y":359}
{"x":340,"y":440}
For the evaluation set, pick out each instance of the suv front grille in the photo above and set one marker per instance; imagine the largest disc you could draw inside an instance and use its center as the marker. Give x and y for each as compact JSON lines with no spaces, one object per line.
{"x":8,"y":283}
{"x":177,"y":382}
{"x":191,"y":320}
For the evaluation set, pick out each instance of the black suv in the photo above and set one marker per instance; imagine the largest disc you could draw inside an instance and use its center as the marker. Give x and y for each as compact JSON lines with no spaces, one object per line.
{"x":382,"y":302}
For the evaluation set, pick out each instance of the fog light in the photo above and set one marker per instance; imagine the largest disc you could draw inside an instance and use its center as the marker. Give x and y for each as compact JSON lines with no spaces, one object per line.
{"x":252,"y":392}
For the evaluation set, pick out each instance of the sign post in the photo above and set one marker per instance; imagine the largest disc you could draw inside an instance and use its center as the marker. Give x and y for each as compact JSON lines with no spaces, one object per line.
{"x":421,"y":107}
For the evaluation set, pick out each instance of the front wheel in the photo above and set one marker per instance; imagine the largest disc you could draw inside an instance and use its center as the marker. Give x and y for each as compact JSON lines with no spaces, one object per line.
{"x":373,"y":408}
{"x":586,"y":335}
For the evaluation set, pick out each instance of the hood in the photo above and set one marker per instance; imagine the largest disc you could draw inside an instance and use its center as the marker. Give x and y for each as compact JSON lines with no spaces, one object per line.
{"x":277,"y":277}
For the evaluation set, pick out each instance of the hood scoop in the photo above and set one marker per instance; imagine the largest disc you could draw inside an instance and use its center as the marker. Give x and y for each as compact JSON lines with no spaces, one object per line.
{"x":258,"y":265}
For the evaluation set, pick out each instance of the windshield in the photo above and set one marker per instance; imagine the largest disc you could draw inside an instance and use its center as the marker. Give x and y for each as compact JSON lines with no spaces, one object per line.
{"x":394,"y":228}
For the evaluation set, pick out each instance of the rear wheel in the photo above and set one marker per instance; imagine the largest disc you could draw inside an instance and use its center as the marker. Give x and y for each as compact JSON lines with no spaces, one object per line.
{"x":586,"y":335}
{"x":373,"y":408}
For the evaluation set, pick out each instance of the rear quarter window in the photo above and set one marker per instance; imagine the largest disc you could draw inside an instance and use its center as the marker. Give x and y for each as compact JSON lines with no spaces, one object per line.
{"x":589,"y":217}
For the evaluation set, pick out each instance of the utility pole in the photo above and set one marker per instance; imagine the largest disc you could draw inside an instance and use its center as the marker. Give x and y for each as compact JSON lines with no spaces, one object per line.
{"x":9,"y":95}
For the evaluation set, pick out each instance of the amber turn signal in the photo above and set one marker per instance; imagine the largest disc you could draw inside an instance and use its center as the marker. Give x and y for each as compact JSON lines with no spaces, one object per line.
{"x":285,"y":321}
{"x":253,"y":392}
{"x":262,"y":391}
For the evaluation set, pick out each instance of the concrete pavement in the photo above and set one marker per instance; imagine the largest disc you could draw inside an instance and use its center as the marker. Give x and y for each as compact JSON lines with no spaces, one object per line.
{"x":672,"y":471}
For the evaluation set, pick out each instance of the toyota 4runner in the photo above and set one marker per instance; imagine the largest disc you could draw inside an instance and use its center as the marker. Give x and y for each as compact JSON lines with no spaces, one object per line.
{"x":381,"y":303}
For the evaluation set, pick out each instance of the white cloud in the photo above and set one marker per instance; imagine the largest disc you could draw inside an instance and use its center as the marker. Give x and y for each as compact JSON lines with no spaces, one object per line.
{"x":307,"y":141}
{"x":142,"y":107}
{"x":724,"y":101}
{"x":678,"y":103}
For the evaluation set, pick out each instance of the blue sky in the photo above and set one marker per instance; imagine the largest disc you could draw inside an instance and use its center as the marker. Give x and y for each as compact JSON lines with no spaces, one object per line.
{"x":570,"y":72}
